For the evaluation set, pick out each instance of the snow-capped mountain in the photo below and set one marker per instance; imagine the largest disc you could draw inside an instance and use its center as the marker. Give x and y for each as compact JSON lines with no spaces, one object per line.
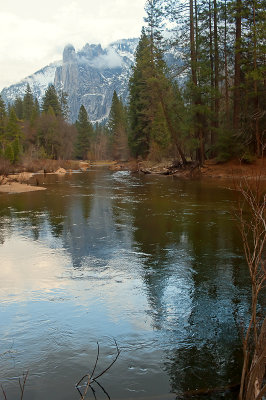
{"x":38,"y":82}
{"x":89,"y":76}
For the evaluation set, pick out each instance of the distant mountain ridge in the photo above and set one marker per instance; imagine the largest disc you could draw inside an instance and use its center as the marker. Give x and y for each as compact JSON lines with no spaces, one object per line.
{"x":89,"y":77}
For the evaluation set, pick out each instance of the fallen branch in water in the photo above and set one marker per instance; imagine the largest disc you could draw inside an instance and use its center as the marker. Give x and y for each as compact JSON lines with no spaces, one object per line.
{"x":4,"y":393}
{"x":21,"y":386}
{"x":91,"y":379}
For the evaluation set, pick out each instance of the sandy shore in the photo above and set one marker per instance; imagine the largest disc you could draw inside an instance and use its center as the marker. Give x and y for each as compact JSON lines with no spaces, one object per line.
{"x":15,"y":187}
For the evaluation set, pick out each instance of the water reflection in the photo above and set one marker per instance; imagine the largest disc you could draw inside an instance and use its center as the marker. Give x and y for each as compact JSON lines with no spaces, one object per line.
{"x":155,"y":263}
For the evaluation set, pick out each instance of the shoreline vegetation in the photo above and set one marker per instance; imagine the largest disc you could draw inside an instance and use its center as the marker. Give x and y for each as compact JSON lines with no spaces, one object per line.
{"x":26,"y":177}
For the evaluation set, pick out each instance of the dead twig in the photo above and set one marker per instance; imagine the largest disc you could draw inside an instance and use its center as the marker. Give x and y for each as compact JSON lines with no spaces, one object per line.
{"x":91,"y":379}
{"x":112,"y":363}
{"x":4,"y":393}
{"x":22,"y":385}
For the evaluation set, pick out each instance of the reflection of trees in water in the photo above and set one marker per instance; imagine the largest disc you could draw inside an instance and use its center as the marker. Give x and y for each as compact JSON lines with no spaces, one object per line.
{"x":95,"y":231}
{"x":194,"y":280}
{"x":192,"y":245}
{"x":204,"y":366}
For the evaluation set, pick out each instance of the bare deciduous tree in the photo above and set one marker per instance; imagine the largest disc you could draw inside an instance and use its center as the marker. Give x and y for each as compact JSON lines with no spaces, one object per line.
{"x":251,"y":215}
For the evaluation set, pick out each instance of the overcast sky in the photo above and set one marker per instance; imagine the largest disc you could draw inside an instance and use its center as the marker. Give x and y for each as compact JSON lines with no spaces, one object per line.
{"x":33,"y":33}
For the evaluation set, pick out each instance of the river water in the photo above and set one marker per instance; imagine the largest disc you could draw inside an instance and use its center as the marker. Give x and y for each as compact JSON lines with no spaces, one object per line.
{"x":152,"y":262}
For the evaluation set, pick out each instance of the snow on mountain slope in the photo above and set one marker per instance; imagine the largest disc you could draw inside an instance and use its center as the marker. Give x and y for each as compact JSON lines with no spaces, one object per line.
{"x":38,"y":82}
{"x":89,"y":76}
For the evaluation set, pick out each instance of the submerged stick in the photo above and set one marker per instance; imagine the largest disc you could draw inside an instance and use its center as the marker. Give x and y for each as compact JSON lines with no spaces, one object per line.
{"x":112,"y":363}
{"x":4,"y":393}
{"x":91,"y":379}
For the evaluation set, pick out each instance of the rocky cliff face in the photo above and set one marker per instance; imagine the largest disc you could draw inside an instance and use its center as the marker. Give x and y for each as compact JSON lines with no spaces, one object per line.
{"x":89,"y":77}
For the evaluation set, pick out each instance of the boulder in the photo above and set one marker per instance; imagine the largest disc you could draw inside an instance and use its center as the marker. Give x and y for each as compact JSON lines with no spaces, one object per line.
{"x":115,"y":167}
{"x":60,"y":171}
{"x":3,"y":180}
{"x":84,"y":166}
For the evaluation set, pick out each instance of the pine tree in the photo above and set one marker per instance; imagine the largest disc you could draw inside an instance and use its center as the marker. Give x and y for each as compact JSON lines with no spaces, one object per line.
{"x":140,"y":126}
{"x":50,"y":99}
{"x":48,"y":133}
{"x":2,"y":122}
{"x":151,"y":98}
{"x":13,"y":129}
{"x":117,"y":126}
{"x":18,"y":107}
{"x":253,"y":69}
{"x":9,"y":152}
{"x":17,"y":150}
{"x":35,"y":112}
{"x":28,"y":104}
{"x":85,"y":132}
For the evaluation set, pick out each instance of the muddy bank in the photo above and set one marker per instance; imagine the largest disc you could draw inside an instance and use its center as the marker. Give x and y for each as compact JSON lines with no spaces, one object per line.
{"x":230,"y":170}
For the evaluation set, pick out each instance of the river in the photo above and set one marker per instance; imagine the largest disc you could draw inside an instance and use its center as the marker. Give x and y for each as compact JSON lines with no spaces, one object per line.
{"x":153,"y":262}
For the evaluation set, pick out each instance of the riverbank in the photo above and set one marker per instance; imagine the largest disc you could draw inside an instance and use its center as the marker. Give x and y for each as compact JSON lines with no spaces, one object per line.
{"x":26,"y":178}
{"x":230,"y":170}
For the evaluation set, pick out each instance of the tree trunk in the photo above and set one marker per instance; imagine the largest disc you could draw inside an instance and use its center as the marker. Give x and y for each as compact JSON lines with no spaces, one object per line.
{"x":171,"y":129}
{"x":226,"y":64}
{"x":237,"y":80}
{"x":256,"y":97}
{"x":216,"y":67}
{"x":196,"y":96}
{"x":212,"y":72}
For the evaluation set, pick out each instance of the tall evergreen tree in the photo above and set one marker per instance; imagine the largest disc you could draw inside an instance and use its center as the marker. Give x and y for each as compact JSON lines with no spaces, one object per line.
{"x":28,"y":104}
{"x":18,"y":107}
{"x":117,"y":125}
{"x":253,"y":69}
{"x":48,"y":133}
{"x":85,"y":132}
{"x":151,"y":96}
{"x":51,"y":99}
{"x":13,"y":137}
{"x":13,"y":129}
{"x":140,"y":125}
{"x":35,"y":112}
{"x":2,"y":123}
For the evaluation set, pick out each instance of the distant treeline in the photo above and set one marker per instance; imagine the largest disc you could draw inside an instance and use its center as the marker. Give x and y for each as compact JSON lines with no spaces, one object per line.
{"x":32,"y":131}
{"x":217,"y":111}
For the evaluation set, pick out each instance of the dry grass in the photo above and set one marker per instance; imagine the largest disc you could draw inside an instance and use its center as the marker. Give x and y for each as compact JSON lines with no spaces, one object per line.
{"x":47,"y":165}
{"x":33,"y":165}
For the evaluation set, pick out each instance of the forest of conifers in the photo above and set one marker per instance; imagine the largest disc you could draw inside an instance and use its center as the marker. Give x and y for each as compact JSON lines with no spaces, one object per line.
{"x":208,"y":104}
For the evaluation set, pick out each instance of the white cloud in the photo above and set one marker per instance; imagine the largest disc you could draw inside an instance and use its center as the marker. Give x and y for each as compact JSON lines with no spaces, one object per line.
{"x":33,"y":35}
{"x":108,"y":60}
